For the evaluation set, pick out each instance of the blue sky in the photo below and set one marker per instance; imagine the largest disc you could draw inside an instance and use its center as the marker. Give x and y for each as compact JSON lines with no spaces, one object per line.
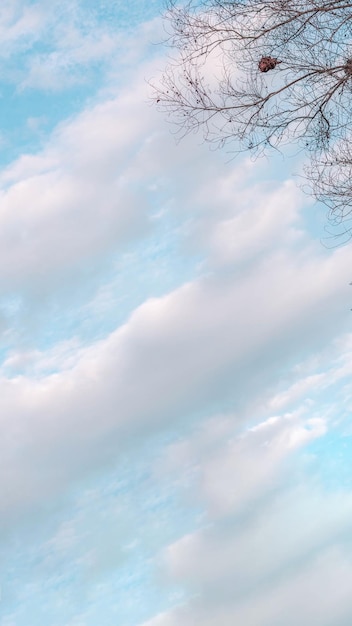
{"x":175,"y":356}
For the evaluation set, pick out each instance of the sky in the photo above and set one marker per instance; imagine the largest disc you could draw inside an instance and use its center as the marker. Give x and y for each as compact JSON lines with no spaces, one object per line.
{"x":176,"y":351}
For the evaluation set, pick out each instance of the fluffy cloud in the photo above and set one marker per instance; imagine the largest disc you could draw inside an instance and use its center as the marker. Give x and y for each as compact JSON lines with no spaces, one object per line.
{"x":318,"y":593}
{"x":274,"y":547}
{"x":178,"y":354}
{"x":261,"y":300}
{"x":285,"y":558}
{"x":77,"y":200}
{"x":254,"y":463}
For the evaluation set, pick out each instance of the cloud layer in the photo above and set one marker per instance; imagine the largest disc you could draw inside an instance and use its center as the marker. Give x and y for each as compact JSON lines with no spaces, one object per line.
{"x":239,"y":368}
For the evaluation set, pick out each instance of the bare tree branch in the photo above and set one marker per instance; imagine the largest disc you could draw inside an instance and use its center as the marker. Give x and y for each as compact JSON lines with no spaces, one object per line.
{"x":261,"y":74}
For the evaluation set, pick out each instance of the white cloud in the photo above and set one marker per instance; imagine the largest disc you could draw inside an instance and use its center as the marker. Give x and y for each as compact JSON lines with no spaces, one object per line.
{"x":266,"y":298}
{"x":176,"y":354}
{"x":55,"y":46}
{"x":251,"y":216}
{"x":287,"y":560}
{"x":275,"y":544}
{"x":318,"y":593}
{"x":76,"y":200}
{"x":232,"y":559}
{"x":232,"y":466}
{"x":20,"y":25}
{"x":73,"y":46}
{"x":251,"y":464}
{"x":224,"y":337}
